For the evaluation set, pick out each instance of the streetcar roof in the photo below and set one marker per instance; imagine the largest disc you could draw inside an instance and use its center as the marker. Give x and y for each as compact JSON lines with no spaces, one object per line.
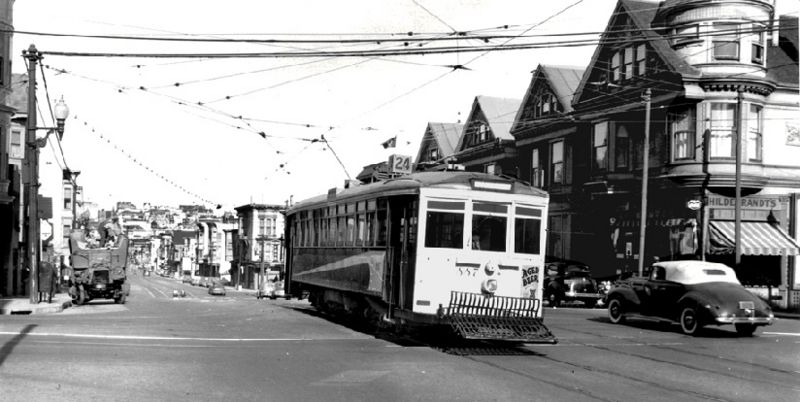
{"x":411,"y":184}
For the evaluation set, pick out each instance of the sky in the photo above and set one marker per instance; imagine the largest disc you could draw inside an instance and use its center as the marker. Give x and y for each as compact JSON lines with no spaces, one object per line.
{"x":231,"y":131}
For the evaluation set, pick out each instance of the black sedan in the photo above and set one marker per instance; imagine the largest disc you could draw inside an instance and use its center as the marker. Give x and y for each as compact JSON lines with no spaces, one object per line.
{"x":566,"y":281}
{"x":692,"y":293}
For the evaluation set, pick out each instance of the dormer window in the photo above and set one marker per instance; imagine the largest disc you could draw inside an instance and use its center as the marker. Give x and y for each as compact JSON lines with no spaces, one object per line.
{"x":628,"y":62}
{"x":482,"y":133}
{"x":433,"y":154}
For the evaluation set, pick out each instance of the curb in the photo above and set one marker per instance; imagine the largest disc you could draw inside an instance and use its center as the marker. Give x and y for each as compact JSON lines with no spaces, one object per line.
{"x":30,"y":309}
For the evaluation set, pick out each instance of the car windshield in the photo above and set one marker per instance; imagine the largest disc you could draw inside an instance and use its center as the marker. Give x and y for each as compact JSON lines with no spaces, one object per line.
{"x":575,"y":271}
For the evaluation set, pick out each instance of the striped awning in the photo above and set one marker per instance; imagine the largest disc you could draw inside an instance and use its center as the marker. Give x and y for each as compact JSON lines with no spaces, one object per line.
{"x":758,"y":238}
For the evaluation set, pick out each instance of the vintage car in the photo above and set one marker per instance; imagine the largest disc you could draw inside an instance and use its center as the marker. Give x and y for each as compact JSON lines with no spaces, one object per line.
{"x":692,"y":293}
{"x":217,"y":289}
{"x":566,"y":281}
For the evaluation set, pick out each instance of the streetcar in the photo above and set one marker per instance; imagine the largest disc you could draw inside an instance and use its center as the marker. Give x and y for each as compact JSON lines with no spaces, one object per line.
{"x":459,"y":249}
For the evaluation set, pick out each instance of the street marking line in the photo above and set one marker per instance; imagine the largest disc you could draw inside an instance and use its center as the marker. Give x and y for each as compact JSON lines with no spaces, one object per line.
{"x":782,"y":333}
{"x":159,"y":291}
{"x":168,"y":338}
{"x":352,"y":377}
{"x":148,"y":291}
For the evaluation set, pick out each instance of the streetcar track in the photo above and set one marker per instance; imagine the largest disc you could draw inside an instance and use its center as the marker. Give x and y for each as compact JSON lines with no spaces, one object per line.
{"x":683,"y":365}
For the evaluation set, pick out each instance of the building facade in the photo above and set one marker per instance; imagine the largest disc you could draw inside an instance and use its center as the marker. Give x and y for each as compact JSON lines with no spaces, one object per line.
{"x":259,"y":251}
{"x":702,"y":96}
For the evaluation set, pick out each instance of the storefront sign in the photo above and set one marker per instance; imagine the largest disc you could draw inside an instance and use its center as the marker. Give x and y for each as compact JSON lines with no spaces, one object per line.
{"x":753,"y":203}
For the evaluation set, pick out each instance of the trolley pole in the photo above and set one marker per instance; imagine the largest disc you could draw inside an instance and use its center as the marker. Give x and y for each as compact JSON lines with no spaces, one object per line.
{"x":32,"y":246}
{"x":645,"y":171}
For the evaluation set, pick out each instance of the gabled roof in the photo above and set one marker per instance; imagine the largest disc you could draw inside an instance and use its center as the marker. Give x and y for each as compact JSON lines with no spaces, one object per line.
{"x":499,"y":114}
{"x":373,"y":172}
{"x":445,"y":135}
{"x":562,"y":80}
{"x":642,"y":14}
{"x":18,"y":99}
{"x":782,"y":60}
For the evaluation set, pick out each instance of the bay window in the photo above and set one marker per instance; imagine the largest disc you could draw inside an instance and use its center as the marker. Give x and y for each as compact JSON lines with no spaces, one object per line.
{"x":757,"y":44}
{"x":557,"y":162}
{"x":536,"y":169}
{"x":682,"y":129}
{"x":621,"y":147}
{"x":723,"y":128}
{"x":600,"y":145}
{"x":754,"y":136}
{"x":725,"y":41}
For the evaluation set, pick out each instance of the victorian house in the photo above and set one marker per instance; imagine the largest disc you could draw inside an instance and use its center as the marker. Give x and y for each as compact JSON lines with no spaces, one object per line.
{"x":486,"y":143}
{"x":547,"y":140}
{"x":709,"y":89}
{"x":438,"y":145}
{"x":258,"y":248}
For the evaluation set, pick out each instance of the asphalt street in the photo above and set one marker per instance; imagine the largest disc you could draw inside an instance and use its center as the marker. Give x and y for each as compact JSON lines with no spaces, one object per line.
{"x":235,"y":347}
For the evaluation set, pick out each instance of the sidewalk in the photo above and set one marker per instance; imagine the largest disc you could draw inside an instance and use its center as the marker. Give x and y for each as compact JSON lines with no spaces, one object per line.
{"x":23,"y":305}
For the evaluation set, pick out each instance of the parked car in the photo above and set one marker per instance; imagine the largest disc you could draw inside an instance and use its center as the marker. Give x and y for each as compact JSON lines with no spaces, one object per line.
{"x":187,"y":279}
{"x":272,"y":289}
{"x":566,"y":280}
{"x":196,"y":281}
{"x":204,"y":282}
{"x":216,"y":288}
{"x":691,"y":293}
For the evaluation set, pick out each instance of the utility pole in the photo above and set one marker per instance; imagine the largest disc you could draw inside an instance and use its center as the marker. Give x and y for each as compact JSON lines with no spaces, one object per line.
{"x":261,"y":273}
{"x":74,"y":177}
{"x":32,"y":246}
{"x":737,"y":211}
{"x":645,"y":171}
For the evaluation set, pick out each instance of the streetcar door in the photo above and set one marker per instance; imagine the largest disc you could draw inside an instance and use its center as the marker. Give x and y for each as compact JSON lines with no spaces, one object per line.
{"x":403,"y":238}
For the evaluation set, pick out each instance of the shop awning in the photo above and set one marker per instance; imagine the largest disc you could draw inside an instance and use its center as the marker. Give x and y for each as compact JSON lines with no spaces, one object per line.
{"x":758,"y":238}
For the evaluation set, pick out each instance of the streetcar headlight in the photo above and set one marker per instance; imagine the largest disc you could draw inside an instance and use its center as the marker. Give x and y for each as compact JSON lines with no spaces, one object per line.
{"x":489,"y":286}
{"x":490,"y":268}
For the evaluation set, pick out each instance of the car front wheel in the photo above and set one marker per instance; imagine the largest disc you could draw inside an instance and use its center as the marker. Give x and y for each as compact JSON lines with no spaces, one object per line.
{"x":690,"y":323}
{"x":745,"y":329}
{"x":616,"y":313}
{"x":554,"y":300}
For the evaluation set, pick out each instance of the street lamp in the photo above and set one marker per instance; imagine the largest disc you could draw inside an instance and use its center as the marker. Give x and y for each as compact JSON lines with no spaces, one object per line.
{"x":33,"y":238}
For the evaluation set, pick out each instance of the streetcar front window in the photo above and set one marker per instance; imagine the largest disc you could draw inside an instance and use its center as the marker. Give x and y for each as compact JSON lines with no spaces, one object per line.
{"x":488,"y":233}
{"x":444,"y":230}
{"x":527,"y":230}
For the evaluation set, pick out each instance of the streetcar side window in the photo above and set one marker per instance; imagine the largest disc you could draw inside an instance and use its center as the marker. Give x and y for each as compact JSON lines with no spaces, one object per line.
{"x":381,"y":223}
{"x":527,"y":230}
